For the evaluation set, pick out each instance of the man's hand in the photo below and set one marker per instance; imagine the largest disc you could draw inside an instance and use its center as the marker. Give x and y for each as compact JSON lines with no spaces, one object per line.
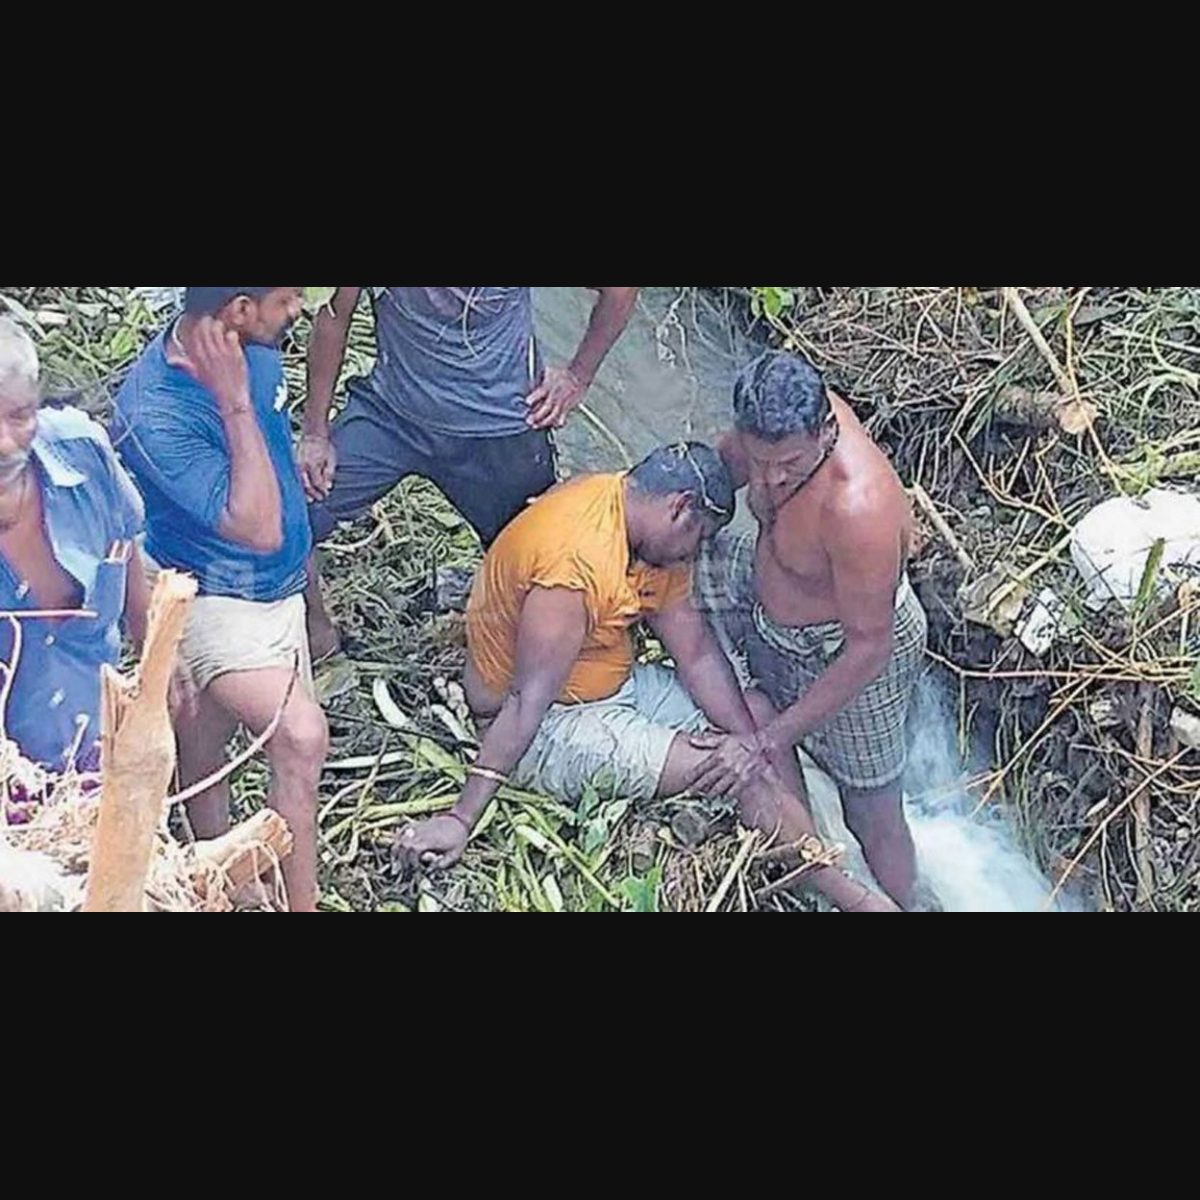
{"x":736,"y":760}
{"x":434,"y":844}
{"x":558,"y":396}
{"x":217,"y":362}
{"x":318,"y":464}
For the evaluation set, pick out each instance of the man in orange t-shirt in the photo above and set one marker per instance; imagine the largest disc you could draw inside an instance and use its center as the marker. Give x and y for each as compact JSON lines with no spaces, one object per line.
{"x":551,"y":676}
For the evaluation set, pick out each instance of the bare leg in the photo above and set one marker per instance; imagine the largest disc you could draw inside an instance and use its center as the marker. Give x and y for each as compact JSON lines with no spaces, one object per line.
{"x":771,"y":805}
{"x":297,"y":756}
{"x":202,"y":739}
{"x":785,"y":761}
{"x":323,"y":636}
{"x":876,"y":818}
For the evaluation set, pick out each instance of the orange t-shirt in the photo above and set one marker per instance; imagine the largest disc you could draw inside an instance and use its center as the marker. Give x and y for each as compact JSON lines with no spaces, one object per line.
{"x":573,"y":537}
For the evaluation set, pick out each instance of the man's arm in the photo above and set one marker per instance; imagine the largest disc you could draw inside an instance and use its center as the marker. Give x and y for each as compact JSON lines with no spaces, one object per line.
{"x":137,"y":599}
{"x":552,"y":628}
{"x":710,"y":680}
{"x":252,"y":510}
{"x":702,"y":666}
{"x":326,"y":353}
{"x":564,"y":387}
{"x":865,"y":556}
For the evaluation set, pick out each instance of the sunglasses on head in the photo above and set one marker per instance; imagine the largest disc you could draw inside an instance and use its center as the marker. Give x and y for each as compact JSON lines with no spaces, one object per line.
{"x":704,"y":500}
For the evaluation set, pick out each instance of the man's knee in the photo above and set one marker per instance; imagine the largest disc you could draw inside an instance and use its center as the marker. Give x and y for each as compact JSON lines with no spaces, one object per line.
{"x":302,"y":740}
{"x":873,"y":813}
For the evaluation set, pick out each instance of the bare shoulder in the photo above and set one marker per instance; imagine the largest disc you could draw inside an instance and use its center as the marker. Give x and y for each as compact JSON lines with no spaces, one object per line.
{"x":870,"y":502}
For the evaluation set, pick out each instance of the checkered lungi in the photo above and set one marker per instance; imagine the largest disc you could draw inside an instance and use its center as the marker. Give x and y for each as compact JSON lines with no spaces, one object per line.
{"x":863,"y":747}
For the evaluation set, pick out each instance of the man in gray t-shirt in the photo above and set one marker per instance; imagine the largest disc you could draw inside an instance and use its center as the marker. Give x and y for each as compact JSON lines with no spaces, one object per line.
{"x":458,"y":395}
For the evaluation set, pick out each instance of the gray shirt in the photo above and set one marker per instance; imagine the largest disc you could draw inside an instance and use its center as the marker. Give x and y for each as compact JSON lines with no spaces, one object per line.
{"x":456,"y":360}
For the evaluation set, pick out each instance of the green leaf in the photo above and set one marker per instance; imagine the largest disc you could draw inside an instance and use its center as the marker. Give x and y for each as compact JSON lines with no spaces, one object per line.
{"x":1150,"y":574}
{"x":433,"y":755}
{"x":605,"y":783}
{"x":595,"y":834}
{"x":641,"y":891}
{"x":122,"y":345}
{"x":613,"y":811}
{"x":589,"y":803}
{"x":553,"y":893}
{"x":771,"y":300}
{"x":535,"y":837}
{"x":317,"y":297}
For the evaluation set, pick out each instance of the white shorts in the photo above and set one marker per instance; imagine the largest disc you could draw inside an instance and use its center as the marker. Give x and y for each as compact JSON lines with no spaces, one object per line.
{"x":619,"y":744}
{"x":226,"y":633}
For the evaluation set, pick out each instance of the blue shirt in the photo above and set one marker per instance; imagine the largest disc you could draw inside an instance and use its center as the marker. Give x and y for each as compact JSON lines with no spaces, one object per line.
{"x":88,"y":503}
{"x":456,"y":360}
{"x":170,"y":435}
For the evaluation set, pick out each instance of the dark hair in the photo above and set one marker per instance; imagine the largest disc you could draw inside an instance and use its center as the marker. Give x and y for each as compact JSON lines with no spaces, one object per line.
{"x":208,"y":301}
{"x":694,"y":469}
{"x":780,"y":394}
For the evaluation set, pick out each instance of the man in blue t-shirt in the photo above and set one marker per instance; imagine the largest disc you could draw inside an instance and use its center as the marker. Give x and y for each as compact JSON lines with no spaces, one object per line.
{"x":202,"y":424}
{"x":458,"y":394}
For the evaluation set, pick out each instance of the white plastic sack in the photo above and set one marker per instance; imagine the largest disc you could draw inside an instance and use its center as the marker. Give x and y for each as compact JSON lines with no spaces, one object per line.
{"x":1111,"y":545}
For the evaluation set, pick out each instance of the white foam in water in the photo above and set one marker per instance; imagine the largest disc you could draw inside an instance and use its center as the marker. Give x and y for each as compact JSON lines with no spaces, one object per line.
{"x":975,"y":866}
{"x":971,"y":864}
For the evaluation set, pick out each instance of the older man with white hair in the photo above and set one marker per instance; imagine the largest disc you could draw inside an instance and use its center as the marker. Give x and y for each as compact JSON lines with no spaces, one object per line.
{"x":69,"y":572}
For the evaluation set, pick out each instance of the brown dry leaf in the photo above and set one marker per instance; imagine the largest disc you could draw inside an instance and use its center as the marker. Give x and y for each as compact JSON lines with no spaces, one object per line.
{"x":1076,"y":416}
{"x":995,"y":601}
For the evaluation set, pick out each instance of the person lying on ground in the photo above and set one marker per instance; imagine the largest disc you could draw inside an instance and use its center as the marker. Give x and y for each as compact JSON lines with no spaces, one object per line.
{"x":551,"y":676}
{"x":68,"y":519}
{"x":459,"y":395}
{"x":202,"y":423}
{"x":817,"y":598}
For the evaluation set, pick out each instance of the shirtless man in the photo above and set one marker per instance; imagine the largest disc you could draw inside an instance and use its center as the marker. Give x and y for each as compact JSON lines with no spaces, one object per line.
{"x":818,"y":601}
